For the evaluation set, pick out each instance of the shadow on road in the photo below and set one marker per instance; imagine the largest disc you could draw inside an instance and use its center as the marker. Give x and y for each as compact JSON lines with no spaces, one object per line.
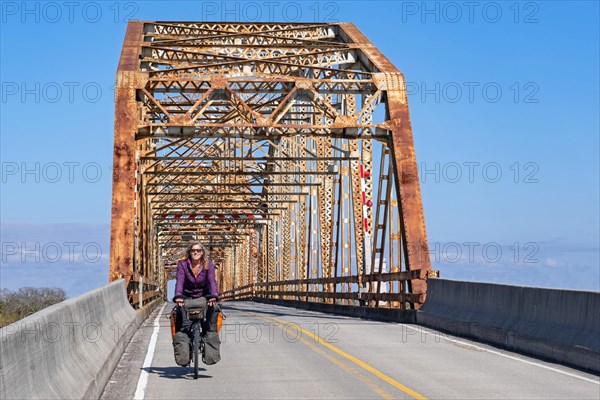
{"x":300,"y":313}
{"x":176,"y":372}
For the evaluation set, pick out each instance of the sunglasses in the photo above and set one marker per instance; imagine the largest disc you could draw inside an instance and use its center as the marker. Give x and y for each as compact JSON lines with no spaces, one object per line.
{"x":196,"y":251}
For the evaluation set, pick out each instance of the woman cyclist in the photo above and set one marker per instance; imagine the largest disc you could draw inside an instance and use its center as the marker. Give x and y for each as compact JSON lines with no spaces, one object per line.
{"x":196,"y":276}
{"x":195,"y":279}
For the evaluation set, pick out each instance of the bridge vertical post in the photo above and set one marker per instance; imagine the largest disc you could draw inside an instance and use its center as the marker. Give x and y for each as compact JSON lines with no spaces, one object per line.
{"x":122,"y":214}
{"x":141,"y":292}
{"x":414,"y":235}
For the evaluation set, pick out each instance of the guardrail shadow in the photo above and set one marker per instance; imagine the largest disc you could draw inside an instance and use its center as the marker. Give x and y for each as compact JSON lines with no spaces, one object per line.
{"x":304,"y":313}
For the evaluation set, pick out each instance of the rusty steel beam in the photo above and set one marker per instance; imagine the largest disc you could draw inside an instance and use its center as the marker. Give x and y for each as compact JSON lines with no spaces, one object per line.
{"x":414,"y":233}
{"x":122,"y":213}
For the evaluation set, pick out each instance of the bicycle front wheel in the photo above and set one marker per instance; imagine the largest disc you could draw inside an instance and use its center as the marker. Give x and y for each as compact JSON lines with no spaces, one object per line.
{"x":196,"y":343}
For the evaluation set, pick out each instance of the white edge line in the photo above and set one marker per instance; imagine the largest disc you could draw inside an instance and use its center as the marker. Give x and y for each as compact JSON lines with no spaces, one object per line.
{"x":140,"y":391}
{"x":511,"y":357}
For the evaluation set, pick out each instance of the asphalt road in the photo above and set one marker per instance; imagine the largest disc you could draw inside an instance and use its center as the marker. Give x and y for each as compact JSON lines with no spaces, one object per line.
{"x":271,"y":352}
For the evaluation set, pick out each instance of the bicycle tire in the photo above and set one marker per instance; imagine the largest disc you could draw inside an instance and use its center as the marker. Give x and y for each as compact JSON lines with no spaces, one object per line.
{"x":196,"y":348}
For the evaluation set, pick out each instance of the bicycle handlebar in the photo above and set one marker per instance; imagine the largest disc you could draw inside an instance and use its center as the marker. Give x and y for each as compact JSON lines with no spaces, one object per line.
{"x":208,"y":298}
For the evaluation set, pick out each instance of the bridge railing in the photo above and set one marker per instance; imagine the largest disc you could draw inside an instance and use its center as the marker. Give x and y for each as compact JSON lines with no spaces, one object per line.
{"x":328,"y":290}
{"x":142,"y":291}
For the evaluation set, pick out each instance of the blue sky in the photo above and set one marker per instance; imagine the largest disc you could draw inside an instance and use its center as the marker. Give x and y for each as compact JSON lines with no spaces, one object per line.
{"x":504,"y":100}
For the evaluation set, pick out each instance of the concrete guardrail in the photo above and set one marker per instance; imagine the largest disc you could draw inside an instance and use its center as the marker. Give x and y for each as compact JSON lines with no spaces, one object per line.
{"x":553,"y":324}
{"x":68,"y":350}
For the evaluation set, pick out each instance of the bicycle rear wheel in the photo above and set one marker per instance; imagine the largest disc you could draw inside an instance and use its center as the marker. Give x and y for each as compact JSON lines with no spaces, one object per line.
{"x":196,"y":342}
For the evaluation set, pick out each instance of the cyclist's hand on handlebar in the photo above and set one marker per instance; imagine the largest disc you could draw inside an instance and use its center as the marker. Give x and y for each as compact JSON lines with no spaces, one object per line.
{"x":179,"y":302}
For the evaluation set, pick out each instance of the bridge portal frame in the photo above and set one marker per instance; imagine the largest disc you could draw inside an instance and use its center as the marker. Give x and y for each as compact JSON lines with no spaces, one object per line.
{"x":136,"y":255}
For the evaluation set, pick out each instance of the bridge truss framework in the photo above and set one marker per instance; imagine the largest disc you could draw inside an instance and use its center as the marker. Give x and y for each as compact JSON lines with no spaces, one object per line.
{"x":285,"y":148}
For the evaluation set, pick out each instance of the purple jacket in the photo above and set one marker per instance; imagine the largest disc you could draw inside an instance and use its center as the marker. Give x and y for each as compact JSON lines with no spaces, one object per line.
{"x":189,"y":286}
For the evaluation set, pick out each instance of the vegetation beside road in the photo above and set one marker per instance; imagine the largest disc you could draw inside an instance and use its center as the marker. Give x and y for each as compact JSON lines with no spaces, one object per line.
{"x":26,"y":301}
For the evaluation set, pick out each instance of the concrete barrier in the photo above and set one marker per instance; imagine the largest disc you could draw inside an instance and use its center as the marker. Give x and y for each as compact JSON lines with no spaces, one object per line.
{"x":557,"y":325}
{"x":68,"y":350}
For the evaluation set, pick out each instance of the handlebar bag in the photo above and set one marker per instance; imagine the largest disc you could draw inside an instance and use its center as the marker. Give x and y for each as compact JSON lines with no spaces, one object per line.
{"x":195,"y":307}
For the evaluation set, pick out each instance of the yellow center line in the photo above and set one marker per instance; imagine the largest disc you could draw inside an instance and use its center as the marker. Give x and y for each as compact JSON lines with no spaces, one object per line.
{"x":351,"y":358}
{"x":380,"y":391}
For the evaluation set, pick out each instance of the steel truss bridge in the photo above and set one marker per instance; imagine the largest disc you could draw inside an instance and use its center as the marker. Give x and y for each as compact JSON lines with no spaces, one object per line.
{"x":285,"y":148}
